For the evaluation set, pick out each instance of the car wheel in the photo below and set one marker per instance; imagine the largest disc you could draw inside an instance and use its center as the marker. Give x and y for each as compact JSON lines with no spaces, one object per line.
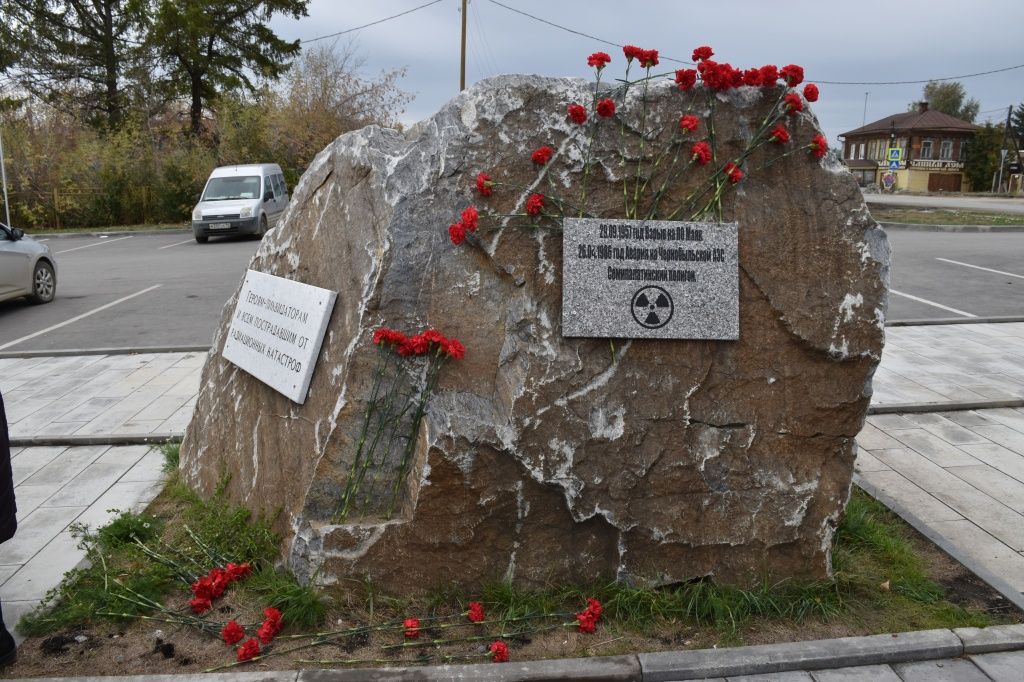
{"x":202,"y":239}
{"x":263,"y":226}
{"x":44,"y":283}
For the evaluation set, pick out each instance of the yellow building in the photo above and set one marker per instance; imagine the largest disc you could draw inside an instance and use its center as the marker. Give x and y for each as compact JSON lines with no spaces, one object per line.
{"x":932,"y":148}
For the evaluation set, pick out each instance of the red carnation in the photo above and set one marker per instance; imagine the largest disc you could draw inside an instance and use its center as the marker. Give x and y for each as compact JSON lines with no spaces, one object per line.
{"x":792,"y":103}
{"x":476,"y":612}
{"x":599,"y":60}
{"x":535,"y":204}
{"x":819,"y":145}
{"x":434,"y":336}
{"x":266,"y":632}
{"x":577,"y":114}
{"x":200,"y":604}
{"x":752,"y":77}
{"x":220,"y":579}
{"x":414,"y":345}
{"x":453,"y":348}
{"x":606,"y":108}
{"x":769,"y":75}
{"x":733,"y":172}
{"x":272,"y":624}
{"x":457,"y":232}
{"x":484,"y":184}
{"x":719,"y":76}
{"x":811,"y":92}
{"x":780,"y":135}
{"x":239,"y":571}
{"x":470,"y":218}
{"x":249,"y":650}
{"x":631,"y":51}
{"x":701,"y":153}
{"x":594,"y":606}
{"x":701,"y":53}
{"x":542,"y":155}
{"x":685,"y":78}
{"x":648,"y":58}
{"x":586,"y":621}
{"x":203,"y":588}
{"x":412,"y":627}
{"x":499,"y":651}
{"x":792,"y":74}
{"x":384,"y":336}
{"x":689,"y":122}
{"x":232,"y":633}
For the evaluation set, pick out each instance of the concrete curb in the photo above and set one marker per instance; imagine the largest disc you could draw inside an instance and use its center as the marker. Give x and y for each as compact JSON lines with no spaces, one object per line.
{"x":952,"y":228}
{"x":923,"y":322}
{"x":898,"y":408}
{"x":813,"y":655}
{"x":136,"y":350}
{"x":904,"y":647}
{"x":995,"y":582}
{"x":109,"y":233}
{"x":97,"y":439}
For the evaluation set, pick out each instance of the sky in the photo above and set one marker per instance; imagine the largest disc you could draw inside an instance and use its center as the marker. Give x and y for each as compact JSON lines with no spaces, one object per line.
{"x":869,"y":40}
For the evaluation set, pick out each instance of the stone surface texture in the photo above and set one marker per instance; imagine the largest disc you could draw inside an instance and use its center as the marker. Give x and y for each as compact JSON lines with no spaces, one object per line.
{"x":543,"y":458}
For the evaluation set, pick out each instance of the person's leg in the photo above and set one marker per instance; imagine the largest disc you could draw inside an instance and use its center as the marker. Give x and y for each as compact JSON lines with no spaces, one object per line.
{"x":8,"y":648}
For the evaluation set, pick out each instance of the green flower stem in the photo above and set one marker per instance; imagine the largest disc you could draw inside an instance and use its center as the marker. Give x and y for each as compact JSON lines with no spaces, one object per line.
{"x":413,"y":644}
{"x":378,"y":377}
{"x":180,"y":573}
{"x":622,"y":136}
{"x":592,"y":126}
{"x":772,"y":162}
{"x":554,"y":197}
{"x":215,"y":557}
{"x":643,"y":144}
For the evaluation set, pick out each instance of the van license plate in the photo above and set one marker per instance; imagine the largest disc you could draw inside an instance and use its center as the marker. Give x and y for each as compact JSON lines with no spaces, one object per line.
{"x":220,"y":226}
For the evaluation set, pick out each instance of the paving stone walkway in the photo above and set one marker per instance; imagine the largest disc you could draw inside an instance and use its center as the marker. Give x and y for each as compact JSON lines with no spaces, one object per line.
{"x":995,"y":667}
{"x":89,"y":395}
{"x":944,"y":364}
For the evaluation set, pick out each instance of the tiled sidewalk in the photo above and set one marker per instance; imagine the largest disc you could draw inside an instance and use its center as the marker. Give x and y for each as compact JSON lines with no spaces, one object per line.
{"x":961,"y":474}
{"x":55,"y":487}
{"x":951,"y":363}
{"x":100,"y":394}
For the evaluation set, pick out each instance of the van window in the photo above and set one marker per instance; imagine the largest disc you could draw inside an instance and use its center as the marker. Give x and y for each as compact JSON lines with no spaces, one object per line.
{"x":240,"y":187}
{"x":278,"y":186}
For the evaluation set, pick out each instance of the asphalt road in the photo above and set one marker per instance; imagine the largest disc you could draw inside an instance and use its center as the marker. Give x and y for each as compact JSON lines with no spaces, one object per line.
{"x":163,"y":289}
{"x":986,"y":204}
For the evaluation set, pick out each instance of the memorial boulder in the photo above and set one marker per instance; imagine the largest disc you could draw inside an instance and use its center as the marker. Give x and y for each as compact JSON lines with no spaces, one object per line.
{"x":670,"y":327}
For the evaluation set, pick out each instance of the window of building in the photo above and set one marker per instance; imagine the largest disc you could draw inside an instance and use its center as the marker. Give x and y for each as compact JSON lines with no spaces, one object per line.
{"x":946,"y":150}
{"x":963,"y":151}
{"x":926,"y":148}
{"x":860,"y":150}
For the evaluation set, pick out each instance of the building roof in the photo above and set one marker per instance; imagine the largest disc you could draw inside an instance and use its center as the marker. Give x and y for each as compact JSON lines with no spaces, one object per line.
{"x":909,"y":121}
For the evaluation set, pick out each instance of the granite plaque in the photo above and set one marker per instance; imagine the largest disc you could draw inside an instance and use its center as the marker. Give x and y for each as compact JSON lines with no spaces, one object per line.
{"x":276,"y":331}
{"x":650,"y":279}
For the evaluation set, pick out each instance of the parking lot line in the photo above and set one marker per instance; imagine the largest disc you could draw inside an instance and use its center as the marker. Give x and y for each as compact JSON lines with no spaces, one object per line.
{"x":89,"y":246}
{"x":978,"y":267}
{"x":187,"y":241}
{"x":78,"y":317}
{"x":931,"y":303}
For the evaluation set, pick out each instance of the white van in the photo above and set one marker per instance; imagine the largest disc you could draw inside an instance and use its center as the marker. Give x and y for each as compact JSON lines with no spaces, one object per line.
{"x":245,"y":199}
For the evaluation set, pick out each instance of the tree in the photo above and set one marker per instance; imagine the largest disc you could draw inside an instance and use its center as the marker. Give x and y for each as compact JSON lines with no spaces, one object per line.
{"x":208,"y":47}
{"x":1017,"y":125}
{"x":75,"y":54}
{"x":949,"y":97}
{"x":983,"y":156}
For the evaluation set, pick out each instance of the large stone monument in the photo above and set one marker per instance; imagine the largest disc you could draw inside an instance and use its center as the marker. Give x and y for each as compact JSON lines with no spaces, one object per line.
{"x":545,"y":456}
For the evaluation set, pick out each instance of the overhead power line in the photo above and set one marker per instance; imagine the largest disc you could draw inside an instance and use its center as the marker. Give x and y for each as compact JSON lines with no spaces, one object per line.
{"x":372,"y":23}
{"x":824,"y":82}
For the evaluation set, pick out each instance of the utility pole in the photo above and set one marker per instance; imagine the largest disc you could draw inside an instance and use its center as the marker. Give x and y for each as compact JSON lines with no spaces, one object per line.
{"x":1002,"y":155}
{"x":462,"y":62}
{"x":864,"y":118}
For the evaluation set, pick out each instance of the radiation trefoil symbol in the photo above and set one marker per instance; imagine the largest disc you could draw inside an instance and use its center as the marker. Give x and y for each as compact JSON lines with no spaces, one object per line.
{"x":652,"y":307}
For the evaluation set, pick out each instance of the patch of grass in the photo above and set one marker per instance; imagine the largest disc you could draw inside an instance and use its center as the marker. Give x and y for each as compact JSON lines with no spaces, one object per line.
{"x":118,"y":565}
{"x":172,"y":456}
{"x":303,"y":606}
{"x":942,"y":216}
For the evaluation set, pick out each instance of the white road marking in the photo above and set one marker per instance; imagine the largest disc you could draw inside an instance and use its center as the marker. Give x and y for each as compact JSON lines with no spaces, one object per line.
{"x":187,"y":241}
{"x":89,"y":246}
{"x":931,"y":303}
{"x":978,"y":267}
{"x":79,"y":317}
